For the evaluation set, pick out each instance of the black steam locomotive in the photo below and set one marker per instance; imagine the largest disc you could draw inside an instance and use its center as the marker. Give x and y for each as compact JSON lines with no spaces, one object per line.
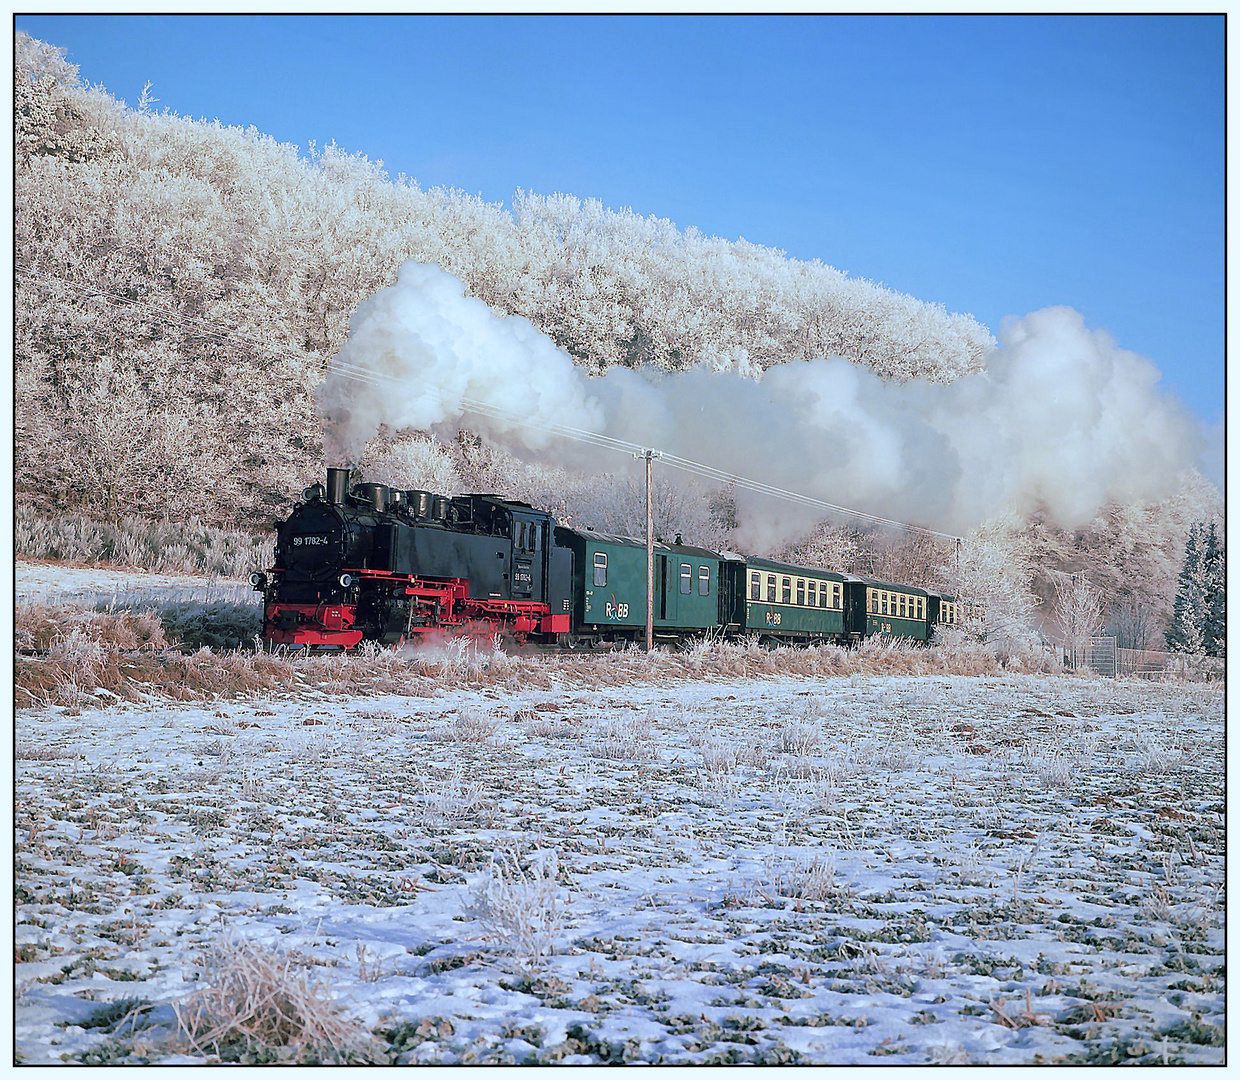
{"x":376,"y":563}
{"x":381,"y":564}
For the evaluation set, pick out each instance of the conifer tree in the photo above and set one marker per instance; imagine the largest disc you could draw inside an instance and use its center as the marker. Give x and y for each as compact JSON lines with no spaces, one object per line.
{"x":1214,"y":583}
{"x":1198,"y":621}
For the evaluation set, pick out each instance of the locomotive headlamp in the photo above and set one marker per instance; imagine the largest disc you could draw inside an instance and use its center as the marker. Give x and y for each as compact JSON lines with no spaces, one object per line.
{"x":346,"y":580}
{"x":259,"y":581}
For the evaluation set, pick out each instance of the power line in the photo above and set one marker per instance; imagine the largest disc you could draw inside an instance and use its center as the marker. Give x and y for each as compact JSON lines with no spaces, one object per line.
{"x":224,"y":333}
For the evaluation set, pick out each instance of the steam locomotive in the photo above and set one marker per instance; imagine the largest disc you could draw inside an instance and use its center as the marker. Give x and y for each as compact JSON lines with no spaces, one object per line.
{"x":375,"y":563}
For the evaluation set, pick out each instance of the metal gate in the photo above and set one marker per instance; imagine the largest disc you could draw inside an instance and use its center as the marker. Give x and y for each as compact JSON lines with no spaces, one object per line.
{"x":1098,"y":654}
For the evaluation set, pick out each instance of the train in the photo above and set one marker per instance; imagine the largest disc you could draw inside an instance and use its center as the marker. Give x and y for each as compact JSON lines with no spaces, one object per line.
{"x":372,"y":563}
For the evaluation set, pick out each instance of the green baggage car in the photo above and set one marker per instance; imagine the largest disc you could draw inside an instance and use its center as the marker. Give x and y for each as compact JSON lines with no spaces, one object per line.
{"x":609,"y":588}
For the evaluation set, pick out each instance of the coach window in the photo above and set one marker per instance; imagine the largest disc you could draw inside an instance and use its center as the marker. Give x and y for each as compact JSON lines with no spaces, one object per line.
{"x":836,"y":602}
{"x":703,"y":581}
{"x":903,"y":611}
{"x":800,"y":592}
{"x":873,"y":601}
{"x":686,"y":579}
{"x":787,"y":590}
{"x":755,"y":586}
{"x":811,"y":593}
{"x":770,"y":588}
{"x":600,"y":568}
{"x":921,"y":611}
{"x":884,"y":602}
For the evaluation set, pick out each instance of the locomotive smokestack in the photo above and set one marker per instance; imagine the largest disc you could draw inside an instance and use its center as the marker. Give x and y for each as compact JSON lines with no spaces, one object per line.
{"x":337,"y":485}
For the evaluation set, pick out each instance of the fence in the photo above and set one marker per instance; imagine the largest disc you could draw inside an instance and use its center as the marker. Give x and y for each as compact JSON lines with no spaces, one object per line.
{"x":1142,"y":663}
{"x":1101,"y":655}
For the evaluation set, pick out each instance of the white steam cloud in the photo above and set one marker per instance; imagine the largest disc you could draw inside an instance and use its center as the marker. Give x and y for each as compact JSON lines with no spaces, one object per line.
{"x":1062,"y":418}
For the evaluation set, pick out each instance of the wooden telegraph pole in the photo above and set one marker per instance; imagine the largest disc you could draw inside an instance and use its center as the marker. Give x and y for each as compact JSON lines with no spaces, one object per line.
{"x":649,"y":456}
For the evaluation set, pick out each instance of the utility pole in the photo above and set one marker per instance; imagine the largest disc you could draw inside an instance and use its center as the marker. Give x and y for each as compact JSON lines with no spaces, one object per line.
{"x":648,"y":456}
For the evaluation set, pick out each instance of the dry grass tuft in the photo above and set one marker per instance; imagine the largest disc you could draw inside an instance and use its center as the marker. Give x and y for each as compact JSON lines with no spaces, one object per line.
{"x":40,"y":627}
{"x":255,"y":1000}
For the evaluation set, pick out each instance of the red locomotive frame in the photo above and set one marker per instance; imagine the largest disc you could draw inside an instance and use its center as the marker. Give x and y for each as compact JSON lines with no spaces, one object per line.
{"x":438,"y":606}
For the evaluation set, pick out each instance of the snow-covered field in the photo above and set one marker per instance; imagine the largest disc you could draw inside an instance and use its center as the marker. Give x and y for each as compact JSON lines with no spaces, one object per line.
{"x":857,"y":870}
{"x":54,"y":583}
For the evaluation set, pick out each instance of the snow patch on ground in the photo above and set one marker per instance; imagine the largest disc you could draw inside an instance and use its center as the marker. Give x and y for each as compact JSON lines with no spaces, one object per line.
{"x":911,"y":870}
{"x":56,"y":583}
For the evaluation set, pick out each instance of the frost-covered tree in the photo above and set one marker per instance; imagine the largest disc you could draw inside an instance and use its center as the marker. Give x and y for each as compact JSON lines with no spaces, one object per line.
{"x":416,"y":463}
{"x":1215,"y":573}
{"x":1132,"y":624}
{"x":1198,"y":623}
{"x":990,"y":573}
{"x":1078,"y":609}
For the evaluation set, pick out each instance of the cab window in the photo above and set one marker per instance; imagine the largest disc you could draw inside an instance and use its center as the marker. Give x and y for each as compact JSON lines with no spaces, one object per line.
{"x":600,"y":568}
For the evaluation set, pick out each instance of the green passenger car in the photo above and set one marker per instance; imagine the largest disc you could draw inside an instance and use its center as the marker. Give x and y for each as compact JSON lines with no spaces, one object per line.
{"x":895,"y":610}
{"x":609,"y":588}
{"x":793,"y":602}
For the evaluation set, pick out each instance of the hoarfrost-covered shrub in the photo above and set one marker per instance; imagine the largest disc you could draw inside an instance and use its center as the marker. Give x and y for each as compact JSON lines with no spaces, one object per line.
{"x":472,"y":726}
{"x":520,"y":907}
{"x":798,"y":737}
{"x":625,"y":739}
{"x":813,"y":882}
{"x":449,"y":798}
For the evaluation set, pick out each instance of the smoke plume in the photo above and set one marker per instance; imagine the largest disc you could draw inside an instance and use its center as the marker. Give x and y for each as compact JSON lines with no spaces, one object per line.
{"x":1062,"y":418}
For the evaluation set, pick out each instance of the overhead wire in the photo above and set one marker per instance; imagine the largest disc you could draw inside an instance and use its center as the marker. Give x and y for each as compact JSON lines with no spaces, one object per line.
{"x":223,"y":333}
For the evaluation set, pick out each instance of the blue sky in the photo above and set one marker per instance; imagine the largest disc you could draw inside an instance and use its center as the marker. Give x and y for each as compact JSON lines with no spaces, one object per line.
{"x":996,"y":165}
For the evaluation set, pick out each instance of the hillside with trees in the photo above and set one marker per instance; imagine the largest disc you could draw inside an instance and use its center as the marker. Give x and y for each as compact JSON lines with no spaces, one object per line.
{"x":181,"y":286}
{"x":179,"y":276}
